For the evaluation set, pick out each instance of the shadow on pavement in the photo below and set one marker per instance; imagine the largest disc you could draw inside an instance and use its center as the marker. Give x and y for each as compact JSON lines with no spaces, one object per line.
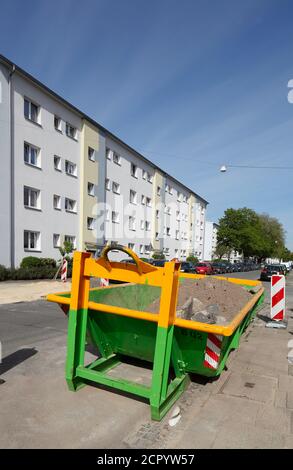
{"x":16,"y":358}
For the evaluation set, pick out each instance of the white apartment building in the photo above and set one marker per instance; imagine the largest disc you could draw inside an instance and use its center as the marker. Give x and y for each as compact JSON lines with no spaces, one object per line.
{"x":65,"y":177}
{"x":210,"y":240}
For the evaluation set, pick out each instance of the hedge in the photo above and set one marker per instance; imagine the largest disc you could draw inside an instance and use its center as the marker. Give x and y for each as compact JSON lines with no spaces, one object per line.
{"x":35,"y":262}
{"x":30,"y":269}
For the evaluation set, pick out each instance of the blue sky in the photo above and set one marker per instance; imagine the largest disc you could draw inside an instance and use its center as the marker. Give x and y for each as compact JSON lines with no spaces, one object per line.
{"x":191,"y":84}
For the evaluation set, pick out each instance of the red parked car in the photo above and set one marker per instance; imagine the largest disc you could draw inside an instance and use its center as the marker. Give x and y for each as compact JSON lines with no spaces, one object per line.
{"x":203,"y":268}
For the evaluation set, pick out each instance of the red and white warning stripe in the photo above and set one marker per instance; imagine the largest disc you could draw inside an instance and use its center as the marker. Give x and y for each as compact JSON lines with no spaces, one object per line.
{"x":104,"y":282}
{"x":277,"y":297}
{"x":213,"y":351}
{"x":64,"y":270}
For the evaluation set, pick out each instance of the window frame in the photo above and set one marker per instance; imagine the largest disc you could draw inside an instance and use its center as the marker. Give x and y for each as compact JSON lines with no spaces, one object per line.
{"x":59,"y":207}
{"x":38,"y":198}
{"x":91,"y":154}
{"x":58,"y":128}
{"x":38,"y":155}
{"x":69,"y":200}
{"x":38,"y":241}
{"x":74,"y":175}
{"x":29,"y":117}
{"x":69,"y":126}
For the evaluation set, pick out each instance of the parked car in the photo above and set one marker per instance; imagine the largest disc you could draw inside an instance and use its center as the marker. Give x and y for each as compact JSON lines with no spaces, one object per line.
{"x":218,"y":268}
{"x":269,"y":270}
{"x":159,"y":262}
{"x":203,"y":268}
{"x":187,"y":267}
{"x":238,"y":267}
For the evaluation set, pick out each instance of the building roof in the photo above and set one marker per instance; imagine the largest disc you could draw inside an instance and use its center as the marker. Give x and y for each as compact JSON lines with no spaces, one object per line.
{"x":108,"y":133}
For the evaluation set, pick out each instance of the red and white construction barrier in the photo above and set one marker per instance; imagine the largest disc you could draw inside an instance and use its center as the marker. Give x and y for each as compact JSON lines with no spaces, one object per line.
{"x":104,"y":282}
{"x":64,"y":270}
{"x":213,"y":351}
{"x":277,"y":297}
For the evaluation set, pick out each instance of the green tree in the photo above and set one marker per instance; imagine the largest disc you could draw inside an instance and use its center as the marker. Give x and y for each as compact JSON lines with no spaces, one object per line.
{"x":158,"y":255}
{"x":254,"y":235}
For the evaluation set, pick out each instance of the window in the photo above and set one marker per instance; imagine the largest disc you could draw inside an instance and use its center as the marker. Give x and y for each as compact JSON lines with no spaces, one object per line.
{"x":56,"y":240}
{"x":108,"y":184}
{"x":147,"y":225}
{"x":116,"y":188}
{"x":158,"y":190}
{"x":109,"y":153}
{"x":31,"y":111}
{"x":90,"y":223}
{"x":107,"y":215}
{"x":70,"y":168}
{"x":70,"y":205}
{"x":31,"y":155}
{"x":115,"y":217}
{"x":141,"y":250}
{"x":132,"y":197}
{"x":57,"y":163}
{"x":147,"y":249}
{"x":91,"y":154}
{"x":148,"y":202}
{"x":70,"y":239}
{"x":71,"y":131}
{"x":57,"y":202}
{"x":91,"y":189}
{"x":131,"y":246}
{"x":143,"y":199}
{"x":157,"y":213}
{"x":168,"y":231}
{"x":144,"y":174}
{"x":177,"y":235}
{"x":167,"y":188}
{"x":171,"y":190}
{"x":168,"y":210}
{"x":150,"y":178}
{"x":116,"y":158}
{"x":31,"y":240}
{"x":133,"y":170}
{"x":178,"y":216}
{"x":132,"y":224}
{"x":184,"y":198}
{"x":178,"y":196}
{"x":157,"y":236}
{"x":57,"y":123}
{"x":31,"y":197}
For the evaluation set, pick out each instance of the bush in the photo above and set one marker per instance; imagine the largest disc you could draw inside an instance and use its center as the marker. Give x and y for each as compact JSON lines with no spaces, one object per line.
{"x":192,"y":259}
{"x":45,"y":272}
{"x":3,"y":273}
{"x":35,"y":262}
{"x":158,"y":255}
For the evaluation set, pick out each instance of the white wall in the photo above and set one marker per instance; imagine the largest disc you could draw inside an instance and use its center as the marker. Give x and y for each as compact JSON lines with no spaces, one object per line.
{"x":5,"y":168}
{"x":208,"y":241}
{"x":47,"y":179}
{"x":121,"y":174}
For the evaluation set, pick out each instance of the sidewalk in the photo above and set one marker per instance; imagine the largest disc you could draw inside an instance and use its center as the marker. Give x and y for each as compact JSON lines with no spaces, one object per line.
{"x":26,"y":291}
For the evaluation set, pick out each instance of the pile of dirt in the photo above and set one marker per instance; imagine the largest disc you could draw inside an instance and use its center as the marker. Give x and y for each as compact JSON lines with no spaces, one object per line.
{"x":208,"y":300}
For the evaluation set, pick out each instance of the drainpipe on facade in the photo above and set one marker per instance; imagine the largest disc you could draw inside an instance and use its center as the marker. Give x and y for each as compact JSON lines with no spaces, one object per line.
{"x":11,"y":119}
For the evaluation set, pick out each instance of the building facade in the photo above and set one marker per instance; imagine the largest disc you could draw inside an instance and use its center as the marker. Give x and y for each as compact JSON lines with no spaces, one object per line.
{"x":66,"y":178}
{"x":210,"y":240}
